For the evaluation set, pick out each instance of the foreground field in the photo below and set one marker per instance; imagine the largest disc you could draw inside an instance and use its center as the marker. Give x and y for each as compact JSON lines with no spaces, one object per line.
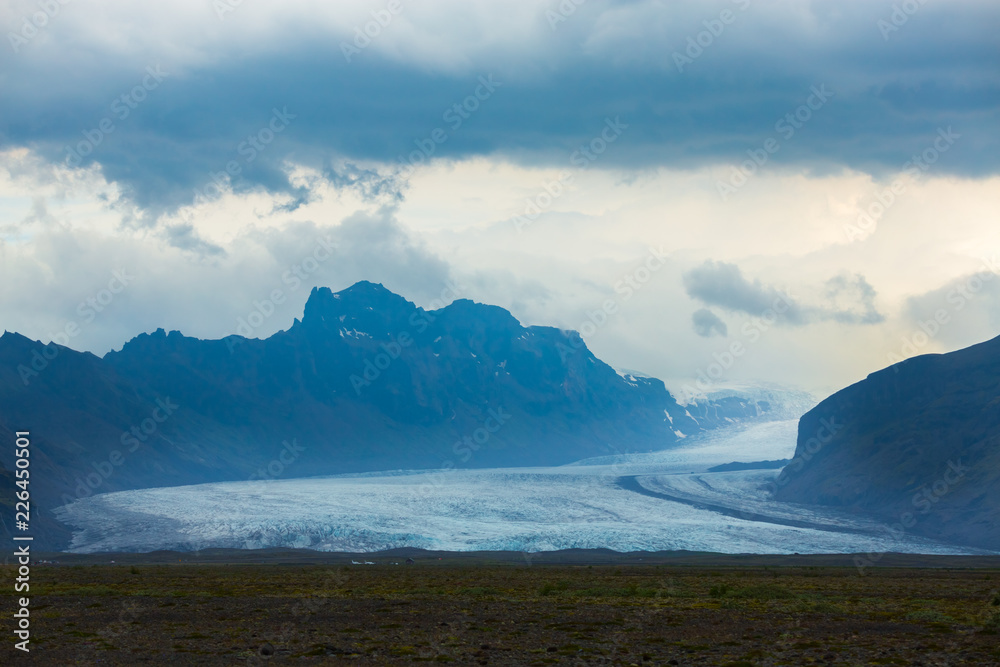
{"x":509,"y":614}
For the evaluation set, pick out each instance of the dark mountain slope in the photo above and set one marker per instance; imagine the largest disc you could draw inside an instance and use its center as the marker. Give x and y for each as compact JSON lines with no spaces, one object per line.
{"x":917,"y":444}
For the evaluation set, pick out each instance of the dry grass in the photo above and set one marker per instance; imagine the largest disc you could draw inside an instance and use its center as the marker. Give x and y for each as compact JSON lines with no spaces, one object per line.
{"x":506,"y":614}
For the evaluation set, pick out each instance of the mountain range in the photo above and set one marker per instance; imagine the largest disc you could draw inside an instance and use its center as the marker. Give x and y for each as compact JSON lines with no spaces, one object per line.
{"x":365,"y":381}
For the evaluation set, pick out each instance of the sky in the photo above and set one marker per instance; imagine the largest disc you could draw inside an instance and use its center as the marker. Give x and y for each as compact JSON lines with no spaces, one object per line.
{"x":712,"y":193}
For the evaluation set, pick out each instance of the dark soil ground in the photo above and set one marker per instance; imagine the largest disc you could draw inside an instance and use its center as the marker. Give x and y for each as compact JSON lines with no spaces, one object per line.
{"x":468,"y":612}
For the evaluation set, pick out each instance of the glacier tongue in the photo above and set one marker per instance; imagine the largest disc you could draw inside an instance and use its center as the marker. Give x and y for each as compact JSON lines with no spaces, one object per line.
{"x":584,"y":505}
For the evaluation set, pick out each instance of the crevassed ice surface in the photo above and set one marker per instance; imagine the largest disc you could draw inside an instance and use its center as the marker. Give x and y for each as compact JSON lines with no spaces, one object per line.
{"x":627,"y":502}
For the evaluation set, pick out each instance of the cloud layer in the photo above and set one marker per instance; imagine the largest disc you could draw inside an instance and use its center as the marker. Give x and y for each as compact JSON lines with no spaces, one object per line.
{"x":845,"y":299}
{"x":165,"y":135}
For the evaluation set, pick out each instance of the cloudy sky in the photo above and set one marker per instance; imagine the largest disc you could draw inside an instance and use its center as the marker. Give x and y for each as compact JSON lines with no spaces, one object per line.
{"x":811,"y":184}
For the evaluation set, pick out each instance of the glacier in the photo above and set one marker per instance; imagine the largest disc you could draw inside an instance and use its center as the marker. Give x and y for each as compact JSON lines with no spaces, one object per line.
{"x":625,"y":501}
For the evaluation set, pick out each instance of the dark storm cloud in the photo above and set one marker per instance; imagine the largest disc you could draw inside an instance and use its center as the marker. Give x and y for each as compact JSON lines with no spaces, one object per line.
{"x":891,"y":94}
{"x":847,"y":299}
{"x":185,"y":237}
{"x":723,"y":285}
{"x":707,"y":324}
{"x":369,"y":184}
